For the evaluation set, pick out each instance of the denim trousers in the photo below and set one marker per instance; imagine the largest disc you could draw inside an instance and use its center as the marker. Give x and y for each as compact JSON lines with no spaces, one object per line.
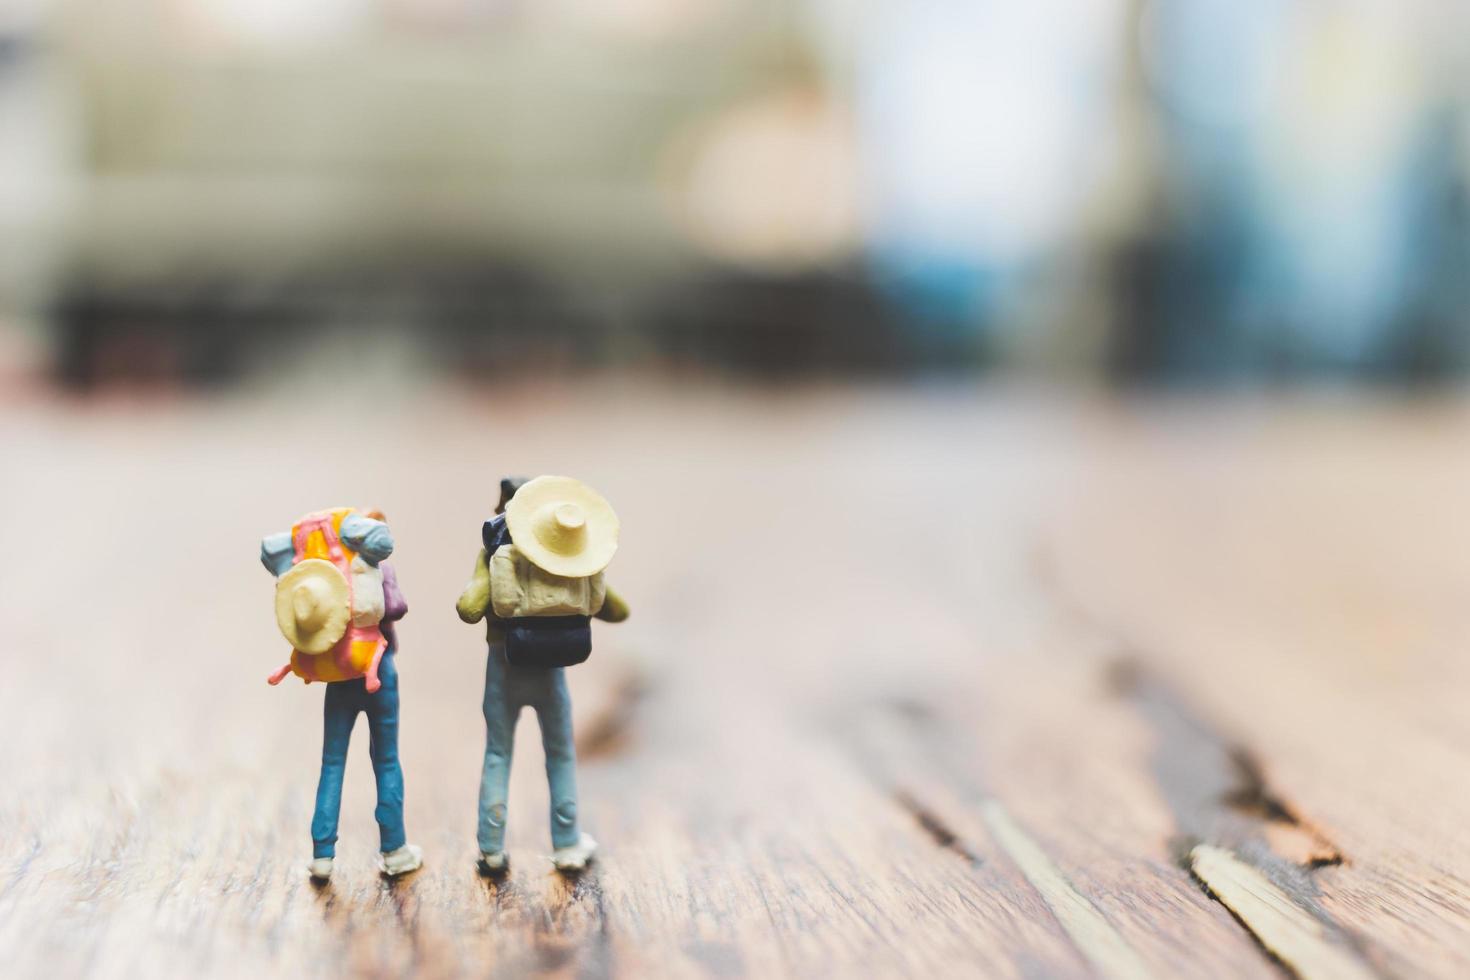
{"x":508,"y":689}
{"x":344,"y":699}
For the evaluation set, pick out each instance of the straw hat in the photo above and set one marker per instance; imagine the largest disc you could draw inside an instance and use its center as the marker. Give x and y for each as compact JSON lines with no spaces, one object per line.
{"x":312,"y":605}
{"x":563,"y":526}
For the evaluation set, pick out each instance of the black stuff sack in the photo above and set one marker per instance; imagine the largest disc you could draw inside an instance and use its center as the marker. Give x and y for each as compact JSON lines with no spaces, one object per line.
{"x":548,"y":641}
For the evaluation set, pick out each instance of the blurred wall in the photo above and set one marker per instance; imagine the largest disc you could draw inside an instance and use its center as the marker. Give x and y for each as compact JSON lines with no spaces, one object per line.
{"x":1188,"y":190}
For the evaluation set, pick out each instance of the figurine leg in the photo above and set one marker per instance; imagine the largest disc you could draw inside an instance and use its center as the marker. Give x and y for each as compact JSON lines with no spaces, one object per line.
{"x":500,"y":730}
{"x":554,"y":712}
{"x":382,"y":713}
{"x":339,"y":711}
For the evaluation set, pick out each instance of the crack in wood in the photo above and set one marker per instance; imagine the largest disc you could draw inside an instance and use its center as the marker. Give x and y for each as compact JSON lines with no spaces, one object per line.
{"x":1217,"y":787}
{"x":1241,"y":839}
{"x":934,"y":825}
{"x":1288,"y":833}
{"x":1091,"y":934}
{"x":1290,"y":935}
{"x":1206,"y":776}
{"x":609,"y":731}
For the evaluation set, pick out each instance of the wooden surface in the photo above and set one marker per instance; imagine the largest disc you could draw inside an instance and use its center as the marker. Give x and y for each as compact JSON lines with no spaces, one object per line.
{"x":930,"y":684}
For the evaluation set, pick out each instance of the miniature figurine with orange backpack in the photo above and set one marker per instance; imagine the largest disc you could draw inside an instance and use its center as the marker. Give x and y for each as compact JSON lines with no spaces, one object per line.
{"x":337,"y":601}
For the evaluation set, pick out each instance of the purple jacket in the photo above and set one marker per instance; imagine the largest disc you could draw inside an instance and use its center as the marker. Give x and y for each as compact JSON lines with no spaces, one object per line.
{"x":395,"y":607}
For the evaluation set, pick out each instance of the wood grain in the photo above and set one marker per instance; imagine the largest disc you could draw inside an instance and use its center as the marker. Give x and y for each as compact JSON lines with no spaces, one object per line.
{"x":918,"y":683}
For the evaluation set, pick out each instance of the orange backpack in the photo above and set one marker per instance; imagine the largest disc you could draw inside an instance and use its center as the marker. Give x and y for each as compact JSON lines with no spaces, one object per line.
{"x":321,"y":566}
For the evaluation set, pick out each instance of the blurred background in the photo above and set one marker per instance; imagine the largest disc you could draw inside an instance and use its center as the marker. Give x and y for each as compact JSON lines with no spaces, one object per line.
{"x":1174,"y":191}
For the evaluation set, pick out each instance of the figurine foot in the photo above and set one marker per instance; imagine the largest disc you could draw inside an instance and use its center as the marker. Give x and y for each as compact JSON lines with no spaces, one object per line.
{"x":575,"y":857}
{"x":321,"y":869}
{"x":495,"y":863}
{"x":400,"y":862}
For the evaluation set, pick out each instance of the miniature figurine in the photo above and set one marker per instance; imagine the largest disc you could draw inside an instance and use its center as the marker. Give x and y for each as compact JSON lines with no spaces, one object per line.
{"x":337,"y":600}
{"x":537,"y":581}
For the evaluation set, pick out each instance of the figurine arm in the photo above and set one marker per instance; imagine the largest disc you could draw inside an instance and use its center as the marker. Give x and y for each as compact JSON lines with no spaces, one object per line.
{"x":367,"y":537}
{"x":276,"y":552}
{"x":475,"y":598}
{"x":614,"y":609}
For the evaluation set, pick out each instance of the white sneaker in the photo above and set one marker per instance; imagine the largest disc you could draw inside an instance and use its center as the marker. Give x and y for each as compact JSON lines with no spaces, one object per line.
{"x":493,"y":863}
{"x":400,"y":862}
{"x":574,"y":858}
{"x":321,"y":869}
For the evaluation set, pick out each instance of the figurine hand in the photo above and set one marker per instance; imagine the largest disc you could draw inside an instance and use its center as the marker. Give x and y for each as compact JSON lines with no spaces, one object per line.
{"x":372,"y":684}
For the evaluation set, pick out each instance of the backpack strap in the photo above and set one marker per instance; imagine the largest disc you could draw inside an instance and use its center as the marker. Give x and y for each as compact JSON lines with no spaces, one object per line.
{"x":319,"y":522}
{"x":371,"y":682}
{"x":494,"y":534}
{"x":322,"y":521}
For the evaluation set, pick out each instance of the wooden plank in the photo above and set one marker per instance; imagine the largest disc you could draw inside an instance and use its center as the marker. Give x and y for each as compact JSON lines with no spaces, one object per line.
{"x":1290,"y":592}
{"x":915,"y":684}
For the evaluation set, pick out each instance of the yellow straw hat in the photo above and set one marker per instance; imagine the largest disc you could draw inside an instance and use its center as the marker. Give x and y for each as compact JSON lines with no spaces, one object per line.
{"x":312,"y":605}
{"x":563,"y":526}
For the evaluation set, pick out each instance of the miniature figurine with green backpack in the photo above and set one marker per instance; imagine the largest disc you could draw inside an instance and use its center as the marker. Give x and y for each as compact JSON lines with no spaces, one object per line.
{"x":538,"y":582}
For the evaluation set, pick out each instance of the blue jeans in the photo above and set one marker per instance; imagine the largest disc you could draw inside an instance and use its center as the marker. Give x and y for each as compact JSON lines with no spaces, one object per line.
{"x":507,"y":690}
{"x":343,"y":701}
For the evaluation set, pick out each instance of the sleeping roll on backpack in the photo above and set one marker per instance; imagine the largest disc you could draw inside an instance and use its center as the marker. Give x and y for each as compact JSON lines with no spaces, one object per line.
{"x":546,"y":557}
